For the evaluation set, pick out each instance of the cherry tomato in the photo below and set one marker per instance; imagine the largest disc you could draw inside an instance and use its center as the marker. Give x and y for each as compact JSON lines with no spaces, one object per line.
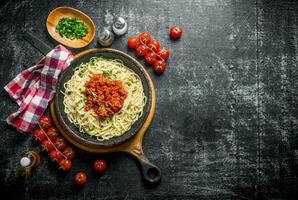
{"x":56,"y":156}
{"x":39,"y":135}
{"x":60,"y":143}
{"x":80,"y":178}
{"x":150,"y":57}
{"x":159,"y":66}
{"x":47,"y":146}
{"x":65,"y":164}
{"x":175,"y":32}
{"x":52,"y":133}
{"x":141,"y":50}
{"x":99,"y":165}
{"x":154,"y":45}
{"x":164,"y":53}
{"x":69,"y":152}
{"x":45,"y":122}
{"x":145,"y":37}
{"x":132,"y":42}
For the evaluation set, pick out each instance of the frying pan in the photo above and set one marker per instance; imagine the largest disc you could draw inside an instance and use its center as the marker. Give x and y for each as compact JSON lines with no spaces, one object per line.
{"x":84,"y":138}
{"x":131,"y":141}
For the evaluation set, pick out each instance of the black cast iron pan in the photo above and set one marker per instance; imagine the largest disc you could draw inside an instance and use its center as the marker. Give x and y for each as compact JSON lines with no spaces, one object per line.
{"x":68,"y":73}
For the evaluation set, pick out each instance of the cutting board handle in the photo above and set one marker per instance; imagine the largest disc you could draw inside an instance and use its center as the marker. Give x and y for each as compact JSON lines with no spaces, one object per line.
{"x":37,"y":43}
{"x":150,"y":172}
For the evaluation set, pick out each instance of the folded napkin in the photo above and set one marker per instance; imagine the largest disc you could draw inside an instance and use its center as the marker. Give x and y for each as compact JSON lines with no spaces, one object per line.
{"x":33,"y":88}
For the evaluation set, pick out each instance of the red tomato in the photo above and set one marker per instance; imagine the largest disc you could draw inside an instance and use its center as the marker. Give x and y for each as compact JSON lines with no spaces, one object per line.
{"x":141,"y":50}
{"x":52,"y":133}
{"x":99,"y":165}
{"x":56,"y":156}
{"x":65,"y":164}
{"x":80,"y":178}
{"x":45,"y":122}
{"x":159,"y":66}
{"x":39,"y":135}
{"x":132,"y":42}
{"x":150,"y":57}
{"x":154,"y":45}
{"x":145,"y":37}
{"x":164,"y":53}
{"x":175,"y":32}
{"x":69,"y":152}
{"x":47,"y":146}
{"x":60,"y":143}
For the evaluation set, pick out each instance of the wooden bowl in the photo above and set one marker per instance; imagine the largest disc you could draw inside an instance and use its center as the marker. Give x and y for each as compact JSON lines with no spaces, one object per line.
{"x":60,"y":12}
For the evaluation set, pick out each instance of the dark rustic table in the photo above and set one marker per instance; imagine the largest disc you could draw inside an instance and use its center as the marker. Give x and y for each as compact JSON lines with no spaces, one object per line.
{"x":226,"y":120}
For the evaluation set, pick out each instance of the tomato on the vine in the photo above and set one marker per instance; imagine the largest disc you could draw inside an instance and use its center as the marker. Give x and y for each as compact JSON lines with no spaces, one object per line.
{"x":145,"y":37}
{"x":150,"y":57}
{"x":159,"y":66}
{"x":47,"y":146}
{"x":69,"y":152}
{"x":154,"y":45}
{"x":176,"y":32}
{"x":45,"y":122}
{"x":39,"y":135}
{"x":164,"y":53}
{"x":52,"y":133}
{"x":99,"y":165}
{"x":60,"y":143}
{"x":132,"y":42}
{"x":56,"y":156}
{"x":141,"y":50}
{"x":65,"y":164}
{"x":80,"y":178}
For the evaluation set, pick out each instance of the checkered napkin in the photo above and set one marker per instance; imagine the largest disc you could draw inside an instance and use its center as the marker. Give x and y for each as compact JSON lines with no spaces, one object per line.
{"x":33,"y":88}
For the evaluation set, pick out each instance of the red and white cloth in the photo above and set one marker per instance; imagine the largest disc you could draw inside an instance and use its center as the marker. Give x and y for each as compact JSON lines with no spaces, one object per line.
{"x":33,"y":88}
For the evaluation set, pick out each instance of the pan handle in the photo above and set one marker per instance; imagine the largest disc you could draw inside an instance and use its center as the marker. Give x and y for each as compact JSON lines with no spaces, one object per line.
{"x":150,"y":172}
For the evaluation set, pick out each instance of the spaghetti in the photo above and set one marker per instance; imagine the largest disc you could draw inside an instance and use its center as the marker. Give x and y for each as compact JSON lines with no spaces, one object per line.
{"x":87,"y":120}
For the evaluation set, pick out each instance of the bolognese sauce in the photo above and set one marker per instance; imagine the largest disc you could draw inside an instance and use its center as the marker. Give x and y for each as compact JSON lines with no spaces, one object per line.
{"x":106,"y":97}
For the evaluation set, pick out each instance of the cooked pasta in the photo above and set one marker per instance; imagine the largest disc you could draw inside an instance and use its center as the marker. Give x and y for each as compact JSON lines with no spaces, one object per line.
{"x":87,"y":120}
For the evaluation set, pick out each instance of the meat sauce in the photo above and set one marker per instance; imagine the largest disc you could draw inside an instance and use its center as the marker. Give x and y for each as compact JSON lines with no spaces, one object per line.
{"x":106,"y":97}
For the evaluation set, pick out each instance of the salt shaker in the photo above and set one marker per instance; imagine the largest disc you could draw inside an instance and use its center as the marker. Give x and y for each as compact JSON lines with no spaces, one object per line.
{"x":105,"y":37}
{"x":119,"y":26}
{"x":29,"y":161}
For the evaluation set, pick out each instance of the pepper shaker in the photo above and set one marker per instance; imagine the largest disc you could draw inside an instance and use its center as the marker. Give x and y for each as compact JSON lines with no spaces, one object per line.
{"x":29,"y":161}
{"x":105,"y":37}
{"x":120,"y":26}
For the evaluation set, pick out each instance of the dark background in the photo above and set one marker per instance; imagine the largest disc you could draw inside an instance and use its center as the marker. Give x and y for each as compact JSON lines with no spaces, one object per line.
{"x":226,"y":120}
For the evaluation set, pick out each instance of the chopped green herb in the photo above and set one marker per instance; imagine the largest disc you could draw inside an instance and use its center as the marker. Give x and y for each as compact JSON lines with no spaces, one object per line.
{"x":85,"y":100}
{"x":107,"y":73}
{"x":82,"y":72}
{"x":93,"y":95}
{"x":92,"y":62}
{"x":95,"y":119}
{"x":72,"y":28}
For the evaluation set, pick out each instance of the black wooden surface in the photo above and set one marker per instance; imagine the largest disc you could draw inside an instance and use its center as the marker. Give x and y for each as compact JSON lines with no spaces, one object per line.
{"x":226,"y":115}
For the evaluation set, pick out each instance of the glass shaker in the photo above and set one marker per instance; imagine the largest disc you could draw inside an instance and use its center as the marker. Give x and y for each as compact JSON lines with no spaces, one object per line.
{"x":105,"y":37}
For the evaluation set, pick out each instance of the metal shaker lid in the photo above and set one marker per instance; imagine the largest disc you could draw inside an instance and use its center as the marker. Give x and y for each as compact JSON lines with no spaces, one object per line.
{"x":119,"y":23}
{"x":105,"y":34}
